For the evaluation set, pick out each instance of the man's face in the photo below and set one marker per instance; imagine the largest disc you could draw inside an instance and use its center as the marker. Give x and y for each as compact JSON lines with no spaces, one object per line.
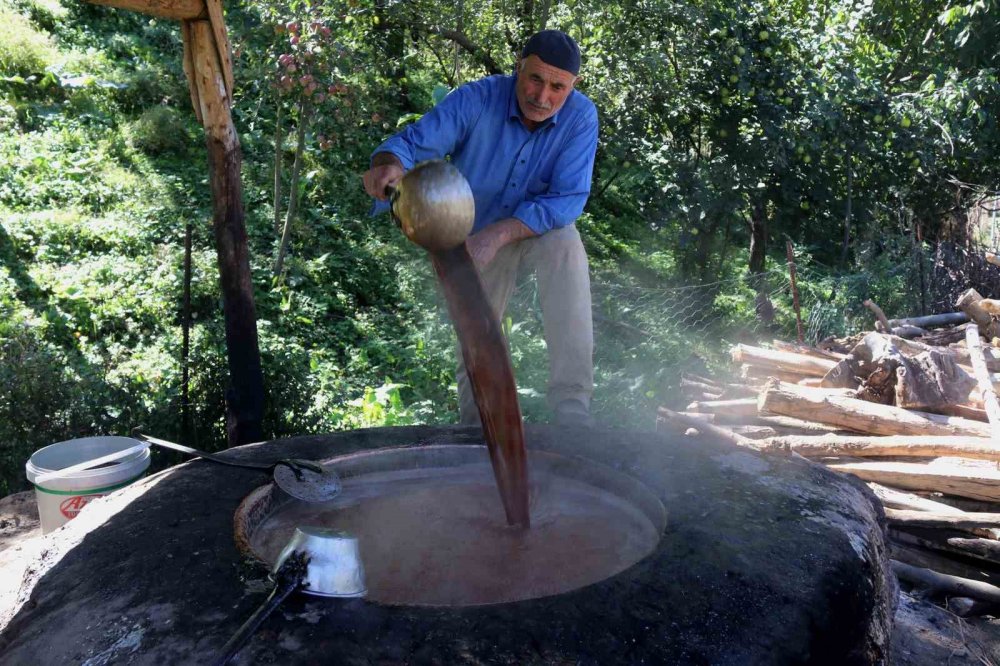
{"x":541,"y":89}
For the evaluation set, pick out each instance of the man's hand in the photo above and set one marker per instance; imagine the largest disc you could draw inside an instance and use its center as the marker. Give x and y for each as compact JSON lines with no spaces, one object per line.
{"x":386,"y":170}
{"x":484,"y":245}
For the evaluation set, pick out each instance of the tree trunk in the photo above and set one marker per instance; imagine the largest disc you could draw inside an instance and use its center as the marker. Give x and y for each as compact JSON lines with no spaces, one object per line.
{"x":279,"y":140}
{"x":186,"y":421}
{"x":848,"y":209}
{"x":245,"y":397}
{"x":293,"y":186}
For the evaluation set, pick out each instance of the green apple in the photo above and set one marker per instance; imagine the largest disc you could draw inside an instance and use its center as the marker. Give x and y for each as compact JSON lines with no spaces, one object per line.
{"x":804,"y":205}
{"x":742,"y":51}
{"x":905,"y":122}
{"x":733,"y":78}
{"x":763,"y":34}
{"x":879,"y":118}
{"x":807,"y":159}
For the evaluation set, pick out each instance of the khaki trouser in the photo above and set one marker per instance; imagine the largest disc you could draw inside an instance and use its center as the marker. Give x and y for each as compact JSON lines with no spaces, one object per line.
{"x":560,"y":265}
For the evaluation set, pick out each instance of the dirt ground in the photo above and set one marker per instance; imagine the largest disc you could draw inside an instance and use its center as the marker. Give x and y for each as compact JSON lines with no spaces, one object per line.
{"x":924,"y":634}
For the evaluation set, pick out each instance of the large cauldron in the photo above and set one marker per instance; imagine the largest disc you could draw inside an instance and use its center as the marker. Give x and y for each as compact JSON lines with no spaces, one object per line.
{"x":762,"y":560}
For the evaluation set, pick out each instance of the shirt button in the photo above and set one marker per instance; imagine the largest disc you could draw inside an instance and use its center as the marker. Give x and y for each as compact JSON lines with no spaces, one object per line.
{"x":522,"y":161}
{"x":513,"y":184}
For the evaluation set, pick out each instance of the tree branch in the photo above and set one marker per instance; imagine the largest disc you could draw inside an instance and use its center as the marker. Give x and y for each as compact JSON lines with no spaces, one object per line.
{"x":479,"y":53}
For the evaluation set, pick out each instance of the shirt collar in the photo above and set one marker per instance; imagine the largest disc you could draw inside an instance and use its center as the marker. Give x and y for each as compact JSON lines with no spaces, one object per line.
{"x":514,"y":109}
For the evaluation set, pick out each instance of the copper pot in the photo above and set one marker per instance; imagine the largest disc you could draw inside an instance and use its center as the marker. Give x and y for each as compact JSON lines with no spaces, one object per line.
{"x":433,"y":205}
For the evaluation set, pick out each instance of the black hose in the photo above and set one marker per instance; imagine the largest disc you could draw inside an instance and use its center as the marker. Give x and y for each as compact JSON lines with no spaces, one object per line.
{"x":287,"y":579}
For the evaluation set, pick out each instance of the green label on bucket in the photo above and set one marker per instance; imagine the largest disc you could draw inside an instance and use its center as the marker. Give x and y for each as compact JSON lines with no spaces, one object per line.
{"x":90,"y":491}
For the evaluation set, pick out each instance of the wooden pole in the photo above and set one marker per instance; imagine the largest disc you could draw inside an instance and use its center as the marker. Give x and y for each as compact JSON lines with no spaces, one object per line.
{"x":207,"y":64}
{"x":245,"y":396}
{"x":795,"y":289}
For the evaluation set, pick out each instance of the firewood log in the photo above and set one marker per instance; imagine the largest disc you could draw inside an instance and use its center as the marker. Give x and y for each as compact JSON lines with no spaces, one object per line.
{"x":944,"y":584}
{"x":970,"y":303}
{"x":738,"y":407}
{"x":935,"y":560}
{"x":811,"y":366}
{"x":931,"y":321}
{"x":861,"y":416}
{"x":913,"y":518}
{"x":899,"y":446}
{"x":989,"y":394}
{"x":982,"y":484}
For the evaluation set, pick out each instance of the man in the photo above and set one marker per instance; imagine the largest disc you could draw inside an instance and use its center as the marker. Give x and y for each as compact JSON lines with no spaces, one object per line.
{"x":526,"y":144}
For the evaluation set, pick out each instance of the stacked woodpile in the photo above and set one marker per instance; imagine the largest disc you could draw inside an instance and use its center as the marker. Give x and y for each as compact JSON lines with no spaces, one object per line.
{"x":911,"y":408}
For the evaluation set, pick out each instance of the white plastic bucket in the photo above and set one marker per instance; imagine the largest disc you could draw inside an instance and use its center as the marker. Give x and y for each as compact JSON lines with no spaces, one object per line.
{"x":60,"y":499}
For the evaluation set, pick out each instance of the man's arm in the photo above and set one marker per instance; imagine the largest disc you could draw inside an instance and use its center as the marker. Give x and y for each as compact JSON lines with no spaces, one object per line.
{"x":435,"y":135}
{"x":386,"y":170}
{"x":567,"y":194}
{"x":485,"y":244}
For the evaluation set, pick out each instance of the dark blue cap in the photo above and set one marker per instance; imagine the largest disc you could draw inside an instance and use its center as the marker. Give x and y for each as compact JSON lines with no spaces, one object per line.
{"x":555,"y":48}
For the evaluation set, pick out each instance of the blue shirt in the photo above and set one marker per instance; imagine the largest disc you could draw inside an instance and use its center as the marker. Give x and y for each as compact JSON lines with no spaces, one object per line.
{"x":542,"y":178}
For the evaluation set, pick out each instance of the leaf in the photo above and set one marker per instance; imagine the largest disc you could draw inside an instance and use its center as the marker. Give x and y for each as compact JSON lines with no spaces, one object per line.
{"x":408,"y":118}
{"x":440,"y":92}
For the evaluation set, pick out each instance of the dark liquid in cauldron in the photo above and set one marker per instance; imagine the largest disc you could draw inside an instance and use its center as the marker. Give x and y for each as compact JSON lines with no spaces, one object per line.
{"x":487,"y":362}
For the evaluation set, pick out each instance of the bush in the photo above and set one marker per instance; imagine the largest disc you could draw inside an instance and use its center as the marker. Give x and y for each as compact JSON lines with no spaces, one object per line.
{"x":159,"y":130}
{"x":24,"y":50}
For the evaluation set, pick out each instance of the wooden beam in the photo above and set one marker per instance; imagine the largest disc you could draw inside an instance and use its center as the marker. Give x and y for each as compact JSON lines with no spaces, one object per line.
{"x":170,"y":9}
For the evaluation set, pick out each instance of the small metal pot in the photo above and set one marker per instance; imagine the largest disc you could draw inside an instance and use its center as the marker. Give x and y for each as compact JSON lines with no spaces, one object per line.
{"x":434,"y":206}
{"x":335,"y":568}
{"x":317,"y":560}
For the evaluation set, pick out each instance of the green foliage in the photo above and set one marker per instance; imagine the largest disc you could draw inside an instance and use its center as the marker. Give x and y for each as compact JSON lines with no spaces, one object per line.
{"x":714,"y":115}
{"x":160,"y":129}
{"x":24,"y":49}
